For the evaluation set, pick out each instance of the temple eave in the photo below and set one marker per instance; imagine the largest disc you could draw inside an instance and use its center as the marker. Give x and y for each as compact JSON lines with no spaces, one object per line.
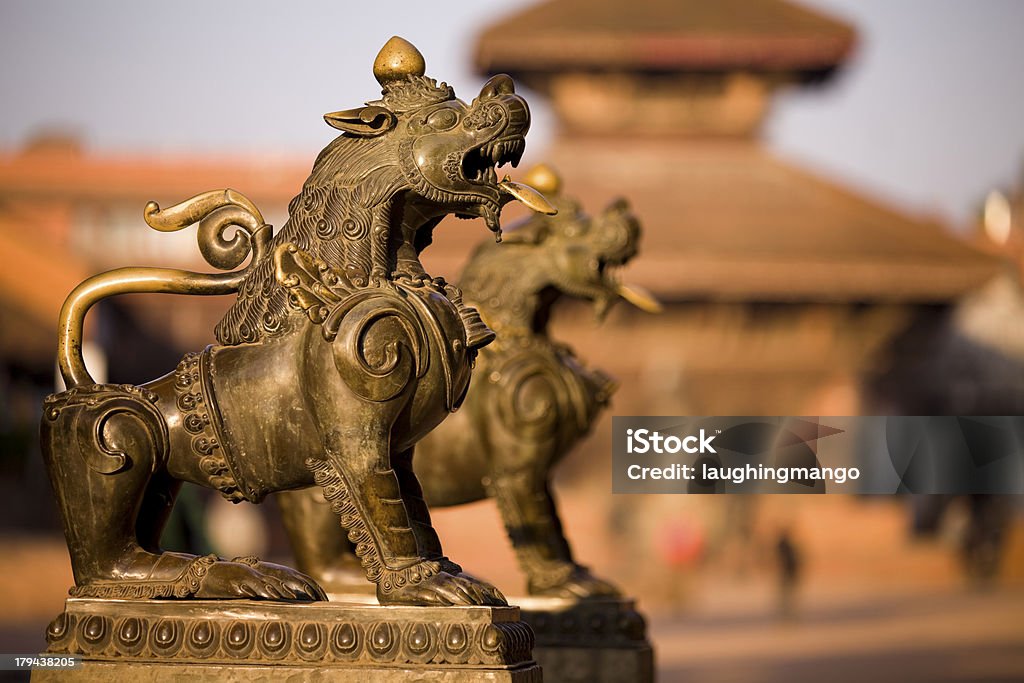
{"x":556,"y":52}
{"x":684,"y":277}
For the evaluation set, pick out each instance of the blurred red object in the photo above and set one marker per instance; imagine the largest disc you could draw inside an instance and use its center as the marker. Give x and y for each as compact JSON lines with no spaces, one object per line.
{"x":680,"y":543}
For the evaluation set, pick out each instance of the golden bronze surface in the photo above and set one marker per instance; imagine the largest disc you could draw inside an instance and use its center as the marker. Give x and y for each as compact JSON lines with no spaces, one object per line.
{"x":338,"y":354}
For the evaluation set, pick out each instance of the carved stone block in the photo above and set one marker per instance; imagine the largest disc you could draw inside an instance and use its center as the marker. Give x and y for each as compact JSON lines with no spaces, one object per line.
{"x":597,"y":641}
{"x":270,"y":641}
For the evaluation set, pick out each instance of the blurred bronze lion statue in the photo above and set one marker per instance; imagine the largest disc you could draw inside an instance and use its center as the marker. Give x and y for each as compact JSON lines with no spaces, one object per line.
{"x":531,"y":401}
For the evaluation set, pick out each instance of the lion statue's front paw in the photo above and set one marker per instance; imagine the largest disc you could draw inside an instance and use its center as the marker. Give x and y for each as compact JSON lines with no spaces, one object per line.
{"x":290,"y":583}
{"x":440,"y":583}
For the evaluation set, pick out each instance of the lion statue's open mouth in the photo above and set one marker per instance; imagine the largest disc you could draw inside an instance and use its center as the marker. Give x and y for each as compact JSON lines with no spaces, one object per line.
{"x":450,"y":152}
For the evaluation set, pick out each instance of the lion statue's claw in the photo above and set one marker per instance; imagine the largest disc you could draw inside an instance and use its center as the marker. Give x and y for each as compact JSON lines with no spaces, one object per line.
{"x":580,"y":584}
{"x":444,"y":589}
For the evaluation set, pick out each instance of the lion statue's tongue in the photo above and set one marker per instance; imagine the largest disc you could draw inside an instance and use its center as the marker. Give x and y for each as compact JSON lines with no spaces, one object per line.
{"x":523,"y":193}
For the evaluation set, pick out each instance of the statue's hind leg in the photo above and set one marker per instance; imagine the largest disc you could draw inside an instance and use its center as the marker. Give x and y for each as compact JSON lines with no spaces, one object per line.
{"x":104,"y":449}
{"x":101,"y":446}
{"x":155,"y":510}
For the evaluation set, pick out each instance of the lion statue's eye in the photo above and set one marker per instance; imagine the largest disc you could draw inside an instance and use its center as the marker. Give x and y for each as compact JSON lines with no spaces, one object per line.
{"x":442,"y":119}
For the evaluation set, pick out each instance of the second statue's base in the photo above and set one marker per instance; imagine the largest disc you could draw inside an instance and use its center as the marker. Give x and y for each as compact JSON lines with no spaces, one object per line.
{"x":247,"y":640}
{"x":597,"y":641}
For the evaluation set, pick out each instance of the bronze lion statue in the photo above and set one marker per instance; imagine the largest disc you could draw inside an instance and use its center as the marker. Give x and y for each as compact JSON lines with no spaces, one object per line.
{"x":531,"y":400}
{"x":338,"y":355}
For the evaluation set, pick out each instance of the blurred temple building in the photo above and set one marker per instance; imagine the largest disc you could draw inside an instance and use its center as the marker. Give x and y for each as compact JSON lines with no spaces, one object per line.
{"x":786,"y":294}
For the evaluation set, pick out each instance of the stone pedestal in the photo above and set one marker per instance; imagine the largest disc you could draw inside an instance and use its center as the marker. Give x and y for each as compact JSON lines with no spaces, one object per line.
{"x":245,"y":640}
{"x":597,"y":641}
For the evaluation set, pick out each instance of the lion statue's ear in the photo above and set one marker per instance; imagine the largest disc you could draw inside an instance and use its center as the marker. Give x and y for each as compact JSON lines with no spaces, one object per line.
{"x":365,"y":122}
{"x":618,"y":205}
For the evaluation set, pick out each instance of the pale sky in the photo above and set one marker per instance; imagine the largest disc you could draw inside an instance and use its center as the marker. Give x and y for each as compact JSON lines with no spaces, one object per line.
{"x":928,"y":116}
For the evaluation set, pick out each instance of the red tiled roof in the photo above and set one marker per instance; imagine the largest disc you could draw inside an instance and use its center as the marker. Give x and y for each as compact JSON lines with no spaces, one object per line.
{"x":40,"y":265}
{"x":723,"y":220}
{"x":729,"y":221}
{"x":35,"y":277}
{"x":83,"y":176}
